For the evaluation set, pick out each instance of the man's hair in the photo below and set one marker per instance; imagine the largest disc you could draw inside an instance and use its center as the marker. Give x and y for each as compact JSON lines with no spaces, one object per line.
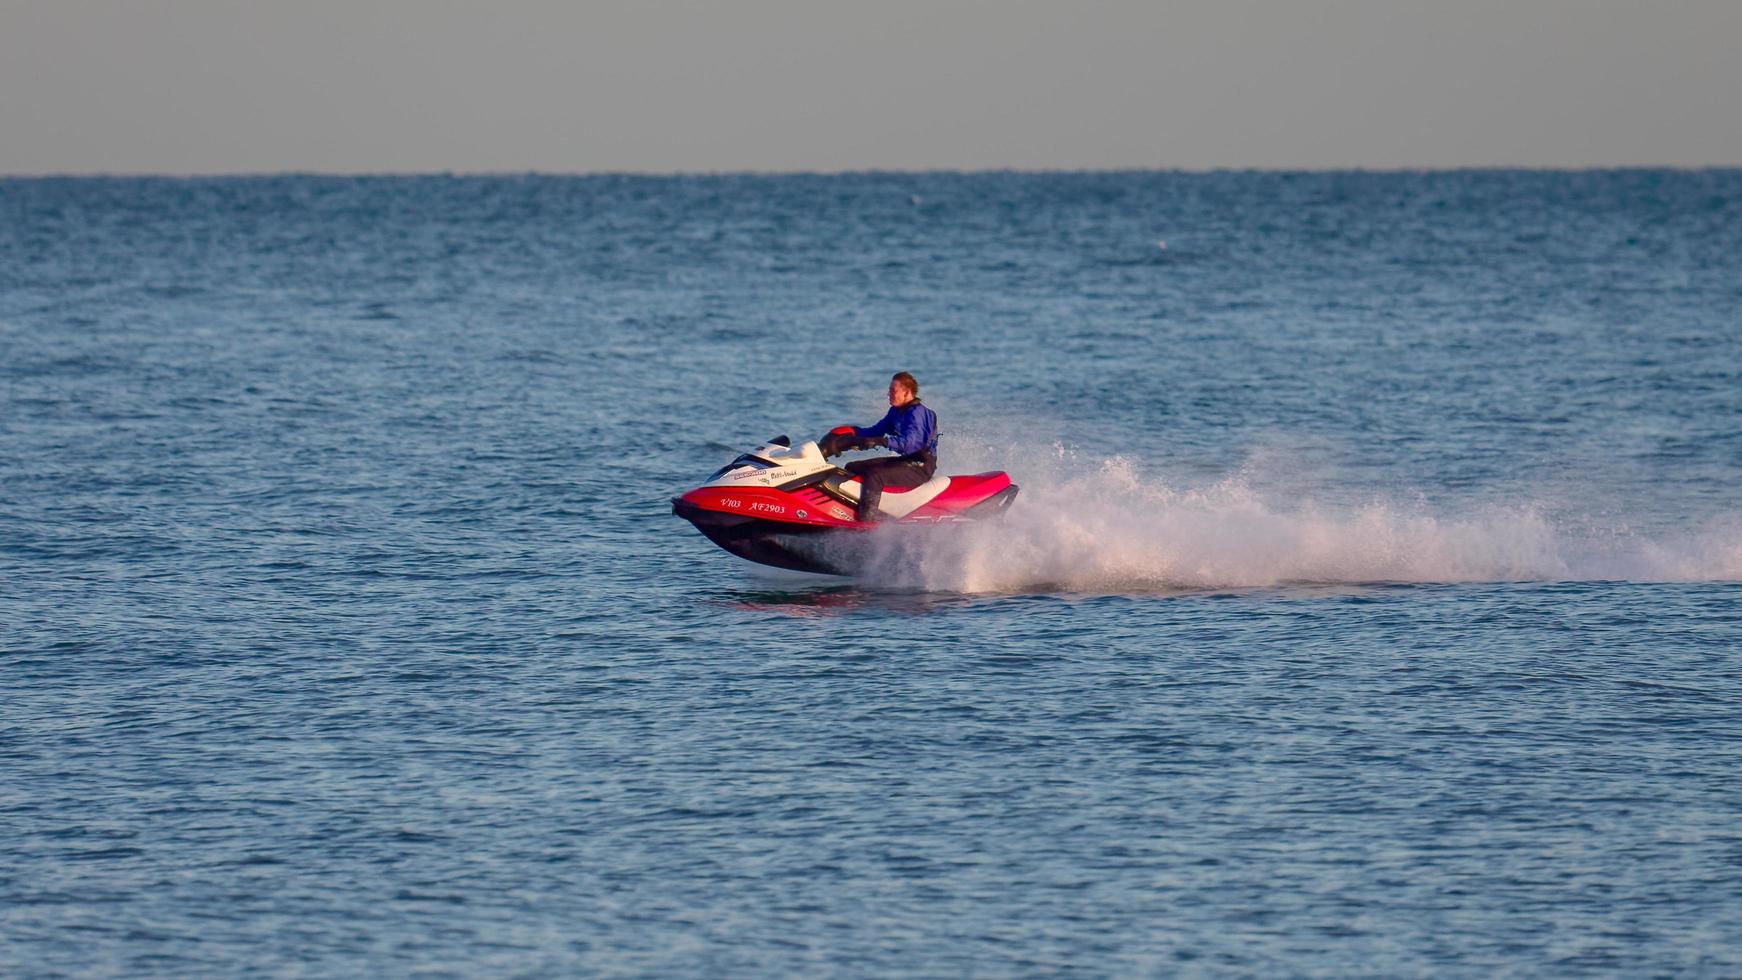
{"x":906,"y":381}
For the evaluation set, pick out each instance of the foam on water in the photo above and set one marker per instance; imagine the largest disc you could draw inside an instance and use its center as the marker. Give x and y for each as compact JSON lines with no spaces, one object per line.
{"x":1112,"y":526}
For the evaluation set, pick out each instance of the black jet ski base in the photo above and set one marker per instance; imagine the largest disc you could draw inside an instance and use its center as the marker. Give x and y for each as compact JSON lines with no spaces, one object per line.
{"x":800,"y":547}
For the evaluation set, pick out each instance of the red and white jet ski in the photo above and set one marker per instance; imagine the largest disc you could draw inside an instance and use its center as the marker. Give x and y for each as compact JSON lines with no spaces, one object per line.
{"x":791,"y":508}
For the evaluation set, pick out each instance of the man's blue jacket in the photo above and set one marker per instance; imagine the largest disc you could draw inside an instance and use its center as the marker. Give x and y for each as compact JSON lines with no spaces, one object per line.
{"x":911,"y":429}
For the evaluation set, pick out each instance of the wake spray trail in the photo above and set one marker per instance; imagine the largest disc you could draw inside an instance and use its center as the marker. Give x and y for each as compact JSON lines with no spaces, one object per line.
{"x":1106,"y":528}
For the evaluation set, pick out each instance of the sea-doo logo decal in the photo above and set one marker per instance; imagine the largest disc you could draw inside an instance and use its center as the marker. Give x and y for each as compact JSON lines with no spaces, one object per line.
{"x":763,"y":475}
{"x":802,"y":514}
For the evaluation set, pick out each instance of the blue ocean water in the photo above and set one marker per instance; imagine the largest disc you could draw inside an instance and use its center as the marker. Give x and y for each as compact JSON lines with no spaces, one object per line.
{"x":1371,"y":607}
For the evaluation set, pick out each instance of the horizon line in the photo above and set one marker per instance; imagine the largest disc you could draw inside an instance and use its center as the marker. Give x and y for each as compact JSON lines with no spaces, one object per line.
{"x":852,"y":172}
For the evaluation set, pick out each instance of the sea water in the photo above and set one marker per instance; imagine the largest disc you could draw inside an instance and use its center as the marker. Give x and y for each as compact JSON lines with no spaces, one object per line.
{"x":1370,"y":607}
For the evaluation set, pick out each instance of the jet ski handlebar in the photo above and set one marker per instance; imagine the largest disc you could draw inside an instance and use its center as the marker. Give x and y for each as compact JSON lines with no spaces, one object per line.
{"x":841,"y":439}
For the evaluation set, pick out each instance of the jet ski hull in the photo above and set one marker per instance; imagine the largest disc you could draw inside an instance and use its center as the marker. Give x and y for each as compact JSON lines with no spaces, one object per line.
{"x":800,"y":547}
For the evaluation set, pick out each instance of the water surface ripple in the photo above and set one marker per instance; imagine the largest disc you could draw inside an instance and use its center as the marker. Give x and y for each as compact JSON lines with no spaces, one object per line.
{"x":1371,"y":608}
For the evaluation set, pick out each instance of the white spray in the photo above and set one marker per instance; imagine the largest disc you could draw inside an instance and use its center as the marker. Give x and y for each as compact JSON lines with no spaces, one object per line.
{"x":1109,"y":527}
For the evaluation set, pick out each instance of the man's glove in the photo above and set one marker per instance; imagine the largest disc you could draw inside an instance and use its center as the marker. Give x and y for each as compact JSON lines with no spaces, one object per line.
{"x":839,"y":439}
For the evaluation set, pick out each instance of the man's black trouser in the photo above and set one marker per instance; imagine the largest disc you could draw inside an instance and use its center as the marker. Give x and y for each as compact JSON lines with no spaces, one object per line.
{"x":888,"y":471}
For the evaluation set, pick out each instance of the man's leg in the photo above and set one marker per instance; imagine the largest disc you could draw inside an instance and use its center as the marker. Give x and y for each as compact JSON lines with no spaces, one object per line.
{"x":870,"y":487}
{"x":875,"y":474}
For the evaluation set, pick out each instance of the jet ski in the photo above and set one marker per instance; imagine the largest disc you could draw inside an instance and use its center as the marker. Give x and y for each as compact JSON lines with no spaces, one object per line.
{"x":790,"y":507}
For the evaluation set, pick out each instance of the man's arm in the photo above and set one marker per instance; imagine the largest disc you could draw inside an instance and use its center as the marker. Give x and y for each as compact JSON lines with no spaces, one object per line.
{"x":883,"y":427}
{"x":908,"y":433}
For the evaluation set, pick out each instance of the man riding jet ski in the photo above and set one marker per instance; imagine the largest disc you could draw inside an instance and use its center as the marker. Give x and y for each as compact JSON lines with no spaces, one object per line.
{"x":791,"y":508}
{"x":909,"y":429}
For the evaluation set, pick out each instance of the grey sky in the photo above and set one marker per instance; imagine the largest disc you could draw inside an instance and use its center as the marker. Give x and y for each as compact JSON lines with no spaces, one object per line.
{"x":202,"y":86}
